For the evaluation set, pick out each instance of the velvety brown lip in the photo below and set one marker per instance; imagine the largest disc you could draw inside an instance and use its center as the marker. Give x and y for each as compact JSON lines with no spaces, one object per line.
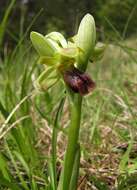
{"x":78,"y":81}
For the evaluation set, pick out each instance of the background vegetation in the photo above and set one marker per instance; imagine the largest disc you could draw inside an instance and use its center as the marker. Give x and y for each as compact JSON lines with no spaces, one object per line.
{"x":64,"y":15}
{"x":109,"y":124}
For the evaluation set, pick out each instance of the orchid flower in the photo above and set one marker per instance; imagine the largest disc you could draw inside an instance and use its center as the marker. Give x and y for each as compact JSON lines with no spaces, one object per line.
{"x":64,"y":60}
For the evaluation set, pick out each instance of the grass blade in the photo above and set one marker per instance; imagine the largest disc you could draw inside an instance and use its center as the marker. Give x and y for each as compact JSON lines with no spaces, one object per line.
{"x":5,"y":20}
{"x":3,"y":111}
{"x":6,"y":183}
{"x":54,"y":140}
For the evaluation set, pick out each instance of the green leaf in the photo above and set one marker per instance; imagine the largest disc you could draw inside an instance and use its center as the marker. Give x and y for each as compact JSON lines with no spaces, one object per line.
{"x":14,"y":163}
{"x":3,"y":110}
{"x":41,"y":44}
{"x":125,"y":158}
{"x":34,"y":184}
{"x":4,"y":167}
{"x":4,"y":21}
{"x":51,"y":174}
{"x":22,"y":161}
{"x":54,"y":139}
{"x":11,"y":185}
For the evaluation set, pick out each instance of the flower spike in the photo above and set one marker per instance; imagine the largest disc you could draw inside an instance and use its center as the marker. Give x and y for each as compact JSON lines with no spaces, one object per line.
{"x":67,"y":60}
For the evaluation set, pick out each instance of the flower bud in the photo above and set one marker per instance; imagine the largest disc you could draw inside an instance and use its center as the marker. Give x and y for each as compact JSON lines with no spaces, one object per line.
{"x":85,"y":40}
{"x":98,"y":52}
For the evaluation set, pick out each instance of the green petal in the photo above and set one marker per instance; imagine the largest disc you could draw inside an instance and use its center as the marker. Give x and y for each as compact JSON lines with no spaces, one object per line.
{"x":54,"y":44}
{"x":59,"y":38}
{"x":69,"y":52}
{"x":41,"y":44}
{"x":49,"y":61}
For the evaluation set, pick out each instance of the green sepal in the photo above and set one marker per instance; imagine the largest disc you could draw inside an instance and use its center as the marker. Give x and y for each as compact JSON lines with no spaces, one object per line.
{"x":42,"y":45}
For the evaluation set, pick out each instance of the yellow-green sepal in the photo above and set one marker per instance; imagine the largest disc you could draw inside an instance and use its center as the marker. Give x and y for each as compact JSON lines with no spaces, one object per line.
{"x":41,"y":44}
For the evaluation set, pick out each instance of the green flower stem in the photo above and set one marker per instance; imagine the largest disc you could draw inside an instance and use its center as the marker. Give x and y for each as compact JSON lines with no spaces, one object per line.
{"x":75,"y":111}
{"x":75,"y":174}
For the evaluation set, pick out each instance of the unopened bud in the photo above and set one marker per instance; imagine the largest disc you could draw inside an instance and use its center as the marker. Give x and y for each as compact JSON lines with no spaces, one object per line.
{"x":85,"y":40}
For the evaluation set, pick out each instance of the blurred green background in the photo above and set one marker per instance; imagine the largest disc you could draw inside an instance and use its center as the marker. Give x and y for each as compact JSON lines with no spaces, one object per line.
{"x":64,"y":16}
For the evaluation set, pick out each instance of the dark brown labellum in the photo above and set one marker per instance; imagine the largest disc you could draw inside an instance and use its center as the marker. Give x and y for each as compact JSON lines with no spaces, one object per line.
{"x":78,"y":81}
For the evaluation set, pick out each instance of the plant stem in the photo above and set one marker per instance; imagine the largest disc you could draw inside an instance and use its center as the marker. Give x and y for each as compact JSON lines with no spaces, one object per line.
{"x":75,"y":174}
{"x":75,"y":111}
